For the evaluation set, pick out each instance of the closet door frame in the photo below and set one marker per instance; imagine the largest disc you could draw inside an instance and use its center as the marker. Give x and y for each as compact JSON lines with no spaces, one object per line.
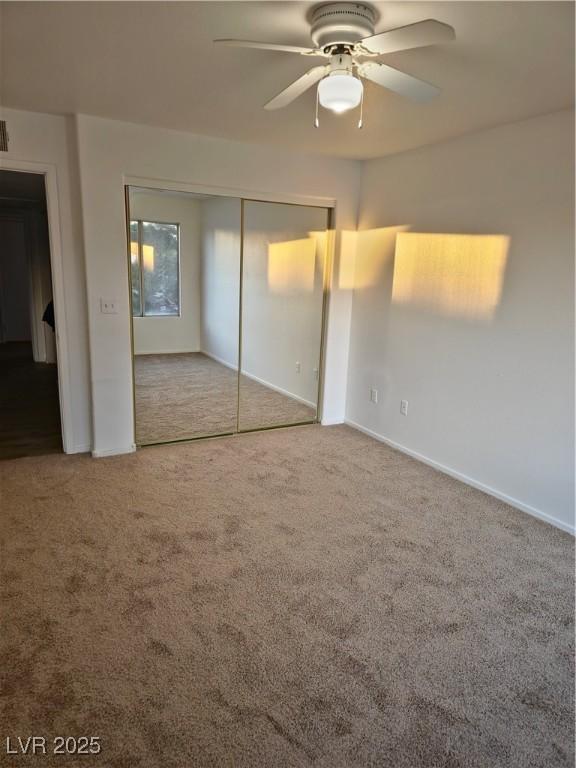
{"x":329,"y":204}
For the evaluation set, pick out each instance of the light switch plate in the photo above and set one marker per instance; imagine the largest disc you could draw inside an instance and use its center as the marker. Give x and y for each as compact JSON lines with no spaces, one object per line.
{"x":109,"y":306}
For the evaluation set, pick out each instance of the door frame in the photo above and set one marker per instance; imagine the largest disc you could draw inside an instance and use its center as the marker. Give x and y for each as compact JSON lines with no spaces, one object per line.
{"x":242,"y":195}
{"x":49,"y":172}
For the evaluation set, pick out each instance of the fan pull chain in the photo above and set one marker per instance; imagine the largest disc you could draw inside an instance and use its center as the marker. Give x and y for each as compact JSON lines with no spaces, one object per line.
{"x":316,"y":120}
{"x":361,"y":122}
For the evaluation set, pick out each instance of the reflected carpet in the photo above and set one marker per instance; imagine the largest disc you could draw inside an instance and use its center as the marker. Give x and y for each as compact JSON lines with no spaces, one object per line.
{"x":181,"y":396}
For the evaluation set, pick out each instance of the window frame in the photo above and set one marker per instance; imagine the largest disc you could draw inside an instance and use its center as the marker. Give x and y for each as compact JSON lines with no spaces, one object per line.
{"x":139,"y":223}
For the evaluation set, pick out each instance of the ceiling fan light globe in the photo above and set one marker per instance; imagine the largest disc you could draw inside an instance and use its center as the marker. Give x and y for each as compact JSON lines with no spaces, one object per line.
{"x":339,"y":93}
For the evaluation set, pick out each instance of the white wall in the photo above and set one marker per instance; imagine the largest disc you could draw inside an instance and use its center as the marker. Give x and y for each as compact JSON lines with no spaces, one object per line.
{"x":220,"y":222}
{"x":490,"y":380}
{"x":50,"y":141}
{"x":110,"y":152}
{"x":173,"y":334}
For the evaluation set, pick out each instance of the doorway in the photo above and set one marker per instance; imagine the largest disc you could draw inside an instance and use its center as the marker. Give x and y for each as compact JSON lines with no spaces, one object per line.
{"x":228,"y":300}
{"x":29,"y":399}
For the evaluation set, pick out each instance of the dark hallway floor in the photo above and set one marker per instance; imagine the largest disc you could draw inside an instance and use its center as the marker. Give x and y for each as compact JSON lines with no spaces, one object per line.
{"x":29,"y":405}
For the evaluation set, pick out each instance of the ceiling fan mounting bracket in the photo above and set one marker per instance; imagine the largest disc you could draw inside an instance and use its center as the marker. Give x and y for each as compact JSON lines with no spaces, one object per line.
{"x":338,"y":49}
{"x":341,"y":63}
{"x":342,"y":23}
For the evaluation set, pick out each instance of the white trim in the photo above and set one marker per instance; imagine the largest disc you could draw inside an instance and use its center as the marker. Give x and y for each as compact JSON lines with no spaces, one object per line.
{"x":264,"y":383}
{"x":114,"y":452}
{"x":467,"y":480}
{"x":49,"y":171}
{"x":237,"y":192}
{"x":332,"y":421}
{"x":167,"y":352}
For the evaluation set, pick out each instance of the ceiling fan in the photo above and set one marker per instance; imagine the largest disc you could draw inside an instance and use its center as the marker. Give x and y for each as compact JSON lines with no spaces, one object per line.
{"x":343,"y":33}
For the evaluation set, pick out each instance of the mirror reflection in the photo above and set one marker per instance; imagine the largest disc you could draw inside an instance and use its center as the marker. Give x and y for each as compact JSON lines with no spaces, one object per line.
{"x":185,"y":273}
{"x":282,"y":305}
{"x":227,"y":307}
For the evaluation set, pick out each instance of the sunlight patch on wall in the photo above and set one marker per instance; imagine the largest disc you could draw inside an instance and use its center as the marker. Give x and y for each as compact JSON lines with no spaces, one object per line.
{"x":292,"y":265}
{"x":452,"y":275}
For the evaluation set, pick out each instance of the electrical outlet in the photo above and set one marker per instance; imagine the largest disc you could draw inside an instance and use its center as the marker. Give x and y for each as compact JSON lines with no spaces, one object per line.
{"x":373,"y":395}
{"x":298,"y":367}
{"x":404,"y":407}
{"x":109,"y":306}
{"x":315,"y":371}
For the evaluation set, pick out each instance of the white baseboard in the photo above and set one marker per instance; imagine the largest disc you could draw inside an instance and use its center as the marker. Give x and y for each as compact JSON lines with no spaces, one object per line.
{"x":168,"y":352}
{"x":467,"y":480}
{"x":80,"y":449}
{"x":332,"y":421}
{"x":113,"y":452}
{"x":265,"y":383}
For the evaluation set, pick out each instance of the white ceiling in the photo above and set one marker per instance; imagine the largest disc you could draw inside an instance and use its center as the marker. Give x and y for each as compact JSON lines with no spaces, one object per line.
{"x":154,"y":63}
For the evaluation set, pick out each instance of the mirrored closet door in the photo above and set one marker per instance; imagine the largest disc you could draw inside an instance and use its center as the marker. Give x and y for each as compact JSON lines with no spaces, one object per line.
{"x":185,"y":286}
{"x":227,"y":301}
{"x":283,"y":264}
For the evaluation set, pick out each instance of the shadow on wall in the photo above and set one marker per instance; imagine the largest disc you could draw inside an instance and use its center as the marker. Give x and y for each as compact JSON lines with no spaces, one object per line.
{"x":374,"y":263}
{"x":451,"y":275}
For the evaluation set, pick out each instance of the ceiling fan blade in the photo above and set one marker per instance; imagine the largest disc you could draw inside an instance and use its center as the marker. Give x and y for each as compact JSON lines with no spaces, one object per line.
{"x":298,"y":87}
{"x":399,"y":82}
{"x":269,"y":47}
{"x":429,"y":32}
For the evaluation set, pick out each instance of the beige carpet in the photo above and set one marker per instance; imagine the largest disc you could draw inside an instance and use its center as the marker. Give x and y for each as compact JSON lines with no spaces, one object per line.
{"x":181,"y":396}
{"x":302,"y":597}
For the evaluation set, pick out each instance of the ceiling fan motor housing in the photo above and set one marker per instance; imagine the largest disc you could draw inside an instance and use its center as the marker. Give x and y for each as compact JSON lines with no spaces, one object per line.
{"x":342,"y":23}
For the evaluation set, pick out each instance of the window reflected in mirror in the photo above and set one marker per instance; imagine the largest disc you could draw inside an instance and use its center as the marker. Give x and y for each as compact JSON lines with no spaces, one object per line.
{"x":155,"y":268}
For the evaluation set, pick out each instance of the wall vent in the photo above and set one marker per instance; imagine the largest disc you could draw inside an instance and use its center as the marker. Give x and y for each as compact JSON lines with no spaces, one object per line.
{"x":3,"y":136}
